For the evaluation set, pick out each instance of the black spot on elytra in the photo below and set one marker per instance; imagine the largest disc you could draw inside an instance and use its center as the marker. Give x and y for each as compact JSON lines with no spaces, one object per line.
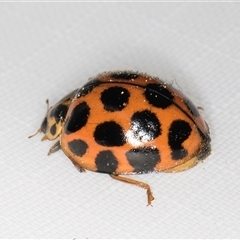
{"x":78,"y":118}
{"x":106,"y":162}
{"x":44,"y":125}
{"x":191,"y":107}
{"x":145,"y":126}
{"x":78,"y":147}
{"x":53,"y":129}
{"x":124,"y":75}
{"x":158,"y":95}
{"x":143,"y":159}
{"x":87,"y":88}
{"x":59,"y":112}
{"x":115,"y":98}
{"x":179,"y":131}
{"x":109,"y":134}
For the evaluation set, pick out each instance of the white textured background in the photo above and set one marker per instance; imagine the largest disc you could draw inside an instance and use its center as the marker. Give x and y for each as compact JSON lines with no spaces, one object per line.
{"x":49,"y":49}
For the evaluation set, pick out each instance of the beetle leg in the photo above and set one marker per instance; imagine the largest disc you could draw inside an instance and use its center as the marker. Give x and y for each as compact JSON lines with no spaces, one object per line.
{"x":150,"y":197}
{"x":54,"y":148}
{"x":57,"y":147}
{"x":78,"y":167}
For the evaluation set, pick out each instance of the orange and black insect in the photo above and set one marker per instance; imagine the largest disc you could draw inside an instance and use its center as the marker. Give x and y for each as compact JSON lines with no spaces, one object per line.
{"x":128,"y":123}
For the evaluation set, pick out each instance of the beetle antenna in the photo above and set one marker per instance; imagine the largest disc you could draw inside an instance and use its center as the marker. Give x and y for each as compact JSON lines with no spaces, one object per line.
{"x":39,"y":130}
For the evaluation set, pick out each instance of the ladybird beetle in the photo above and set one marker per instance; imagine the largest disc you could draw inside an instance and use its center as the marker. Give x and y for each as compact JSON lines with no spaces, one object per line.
{"x":127,"y":123}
